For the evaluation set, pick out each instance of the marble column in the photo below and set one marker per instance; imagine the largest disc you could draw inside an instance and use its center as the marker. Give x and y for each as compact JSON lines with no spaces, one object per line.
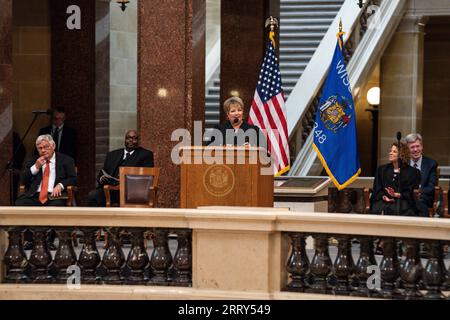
{"x":436,"y":96}
{"x":102,"y":81}
{"x":73,"y":82}
{"x":402,"y":83}
{"x":5,"y":97}
{"x":171,"y":80}
{"x":244,"y":40}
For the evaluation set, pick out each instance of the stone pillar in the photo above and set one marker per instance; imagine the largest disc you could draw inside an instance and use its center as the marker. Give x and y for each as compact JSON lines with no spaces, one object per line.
{"x":171,"y":80}
{"x":73,"y":82}
{"x":123,"y":77}
{"x":436,"y":111}
{"x":401,"y":84}
{"x":244,"y":40}
{"x":102,"y":81}
{"x":5,"y":97}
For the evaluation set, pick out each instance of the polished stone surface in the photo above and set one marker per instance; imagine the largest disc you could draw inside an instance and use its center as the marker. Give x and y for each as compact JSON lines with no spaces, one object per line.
{"x":171,"y":53}
{"x":243,"y":43}
{"x":5,"y":96}
{"x":73,"y":82}
{"x":102,"y":80}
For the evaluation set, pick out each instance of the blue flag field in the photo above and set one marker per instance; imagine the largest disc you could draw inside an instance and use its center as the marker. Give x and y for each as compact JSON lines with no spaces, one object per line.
{"x":335,"y":138}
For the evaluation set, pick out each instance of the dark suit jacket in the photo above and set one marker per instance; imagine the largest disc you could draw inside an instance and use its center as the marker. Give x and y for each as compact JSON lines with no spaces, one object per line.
{"x":428,"y":180}
{"x":65,"y":174}
{"x":239,"y":139}
{"x":140,"y":158}
{"x":409,"y":180}
{"x":68,"y":144}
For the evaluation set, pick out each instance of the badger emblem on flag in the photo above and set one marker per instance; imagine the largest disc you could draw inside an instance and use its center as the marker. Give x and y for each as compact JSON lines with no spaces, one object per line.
{"x":335,"y":115}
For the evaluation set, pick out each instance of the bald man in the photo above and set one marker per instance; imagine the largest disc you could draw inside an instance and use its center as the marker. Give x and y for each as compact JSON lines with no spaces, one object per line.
{"x":130,"y":156}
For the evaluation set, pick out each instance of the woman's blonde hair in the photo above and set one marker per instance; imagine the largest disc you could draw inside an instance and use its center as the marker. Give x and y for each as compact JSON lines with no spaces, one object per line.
{"x":230,"y":101}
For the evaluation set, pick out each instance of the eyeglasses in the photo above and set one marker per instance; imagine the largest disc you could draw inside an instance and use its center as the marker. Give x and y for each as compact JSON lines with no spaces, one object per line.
{"x":45,"y":147}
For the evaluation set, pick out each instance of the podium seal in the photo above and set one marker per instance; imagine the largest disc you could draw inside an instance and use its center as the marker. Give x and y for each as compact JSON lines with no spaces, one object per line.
{"x":218,"y":180}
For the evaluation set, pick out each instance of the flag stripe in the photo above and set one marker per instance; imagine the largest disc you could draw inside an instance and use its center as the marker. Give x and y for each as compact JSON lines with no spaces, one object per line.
{"x":268,"y":111}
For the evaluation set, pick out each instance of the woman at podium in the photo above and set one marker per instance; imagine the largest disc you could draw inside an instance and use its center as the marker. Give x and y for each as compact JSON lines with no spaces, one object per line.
{"x":394,"y":184}
{"x":235,"y":131}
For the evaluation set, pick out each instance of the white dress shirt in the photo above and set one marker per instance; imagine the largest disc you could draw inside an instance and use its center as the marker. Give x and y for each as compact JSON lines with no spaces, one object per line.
{"x":52,"y":176}
{"x":125,"y":154}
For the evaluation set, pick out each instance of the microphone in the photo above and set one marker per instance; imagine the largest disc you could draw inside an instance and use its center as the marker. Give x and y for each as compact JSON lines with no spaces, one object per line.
{"x":399,"y":137}
{"x":236,"y":120}
{"x":48,"y":111}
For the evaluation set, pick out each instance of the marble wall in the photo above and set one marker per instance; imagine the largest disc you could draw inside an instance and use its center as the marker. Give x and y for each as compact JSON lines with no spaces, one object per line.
{"x":102,"y":78}
{"x":243,"y":43}
{"x":123,"y":72}
{"x":171,"y":80}
{"x":401,"y":84}
{"x":31,"y":63}
{"x":74,"y":82}
{"x":6,"y":93}
{"x":436,"y":100}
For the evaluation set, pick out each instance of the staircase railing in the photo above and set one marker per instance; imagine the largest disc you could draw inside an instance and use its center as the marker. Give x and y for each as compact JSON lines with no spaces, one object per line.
{"x":365,"y":42}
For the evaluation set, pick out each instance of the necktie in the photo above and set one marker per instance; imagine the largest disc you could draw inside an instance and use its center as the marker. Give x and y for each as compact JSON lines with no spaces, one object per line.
{"x":56,"y":138}
{"x":43,"y":195}
{"x":415,"y":165}
{"x":127,"y":155}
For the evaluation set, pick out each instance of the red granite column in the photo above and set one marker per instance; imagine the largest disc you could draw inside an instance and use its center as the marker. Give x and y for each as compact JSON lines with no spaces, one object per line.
{"x":171,"y":80}
{"x":73,"y":82}
{"x":244,"y":40}
{"x":5,"y":97}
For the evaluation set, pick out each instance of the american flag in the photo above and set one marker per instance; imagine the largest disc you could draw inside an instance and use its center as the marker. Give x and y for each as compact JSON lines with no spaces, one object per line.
{"x":268,"y":110}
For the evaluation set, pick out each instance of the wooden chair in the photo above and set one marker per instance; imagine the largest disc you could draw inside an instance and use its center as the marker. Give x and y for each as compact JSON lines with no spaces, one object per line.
{"x":432,"y":212}
{"x":70,"y":202}
{"x":138,"y":189}
{"x":71,"y":192}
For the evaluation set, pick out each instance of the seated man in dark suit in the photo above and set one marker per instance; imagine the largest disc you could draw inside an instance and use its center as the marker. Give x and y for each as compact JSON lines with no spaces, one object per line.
{"x":427,"y":169}
{"x":45,"y":177}
{"x":65,"y":137}
{"x":130,"y":156}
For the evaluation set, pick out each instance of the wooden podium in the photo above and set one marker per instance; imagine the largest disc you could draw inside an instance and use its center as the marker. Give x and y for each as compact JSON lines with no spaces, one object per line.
{"x":226,"y":176}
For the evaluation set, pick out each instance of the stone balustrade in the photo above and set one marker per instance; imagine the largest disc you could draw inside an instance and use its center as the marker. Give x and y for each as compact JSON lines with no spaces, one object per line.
{"x":219,"y":252}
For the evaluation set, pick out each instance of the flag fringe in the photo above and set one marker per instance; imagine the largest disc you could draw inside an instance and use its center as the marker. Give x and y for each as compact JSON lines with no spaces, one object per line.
{"x":279,"y":173}
{"x":327,"y":169}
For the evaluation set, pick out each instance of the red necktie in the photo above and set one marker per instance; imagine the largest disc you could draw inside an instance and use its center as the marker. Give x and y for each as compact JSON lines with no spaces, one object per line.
{"x":43,"y":195}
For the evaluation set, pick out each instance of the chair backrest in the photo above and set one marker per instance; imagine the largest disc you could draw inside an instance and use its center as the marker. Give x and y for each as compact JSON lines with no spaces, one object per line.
{"x":138,"y":186}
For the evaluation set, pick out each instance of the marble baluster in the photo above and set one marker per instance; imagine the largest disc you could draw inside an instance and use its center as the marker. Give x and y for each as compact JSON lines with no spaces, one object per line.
{"x":298,"y":262}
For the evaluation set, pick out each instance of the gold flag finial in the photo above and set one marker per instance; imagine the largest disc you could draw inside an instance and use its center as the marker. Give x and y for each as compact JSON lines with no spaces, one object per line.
{"x":272,"y":22}
{"x":340,"y":25}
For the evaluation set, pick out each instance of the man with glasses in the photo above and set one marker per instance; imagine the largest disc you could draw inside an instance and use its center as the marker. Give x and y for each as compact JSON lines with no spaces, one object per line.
{"x":65,"y":137}
{"x":46,"y":177}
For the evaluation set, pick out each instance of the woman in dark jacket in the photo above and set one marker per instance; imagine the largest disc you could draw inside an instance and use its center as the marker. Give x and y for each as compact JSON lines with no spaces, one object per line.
{"x":393,"y":188}
{"x":235,"y":131}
